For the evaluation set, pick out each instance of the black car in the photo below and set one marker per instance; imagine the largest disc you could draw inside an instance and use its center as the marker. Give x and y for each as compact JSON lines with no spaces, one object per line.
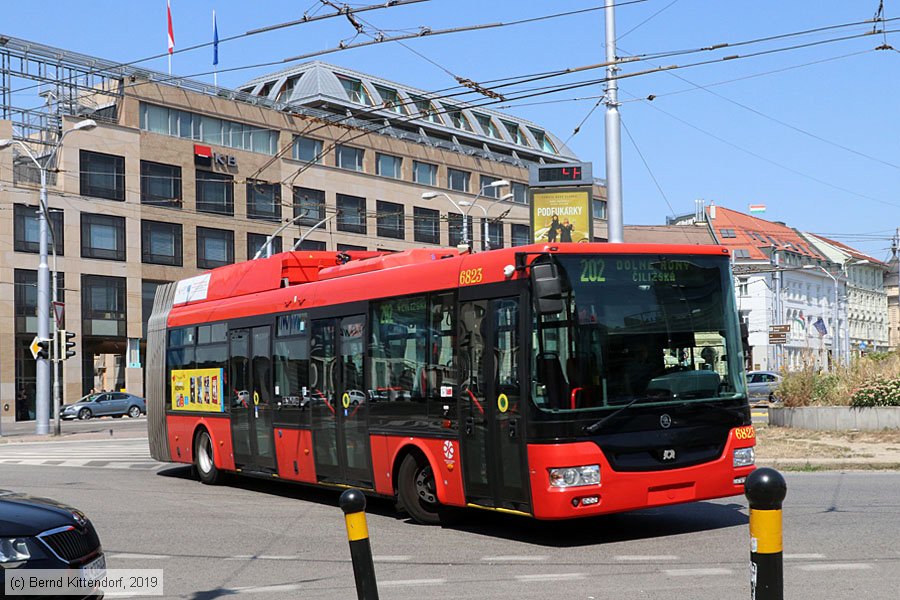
{"x":39,"y":533}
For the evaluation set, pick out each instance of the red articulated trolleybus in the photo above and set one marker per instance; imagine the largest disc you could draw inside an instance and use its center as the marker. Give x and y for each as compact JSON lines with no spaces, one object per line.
{"x":552,"y":381}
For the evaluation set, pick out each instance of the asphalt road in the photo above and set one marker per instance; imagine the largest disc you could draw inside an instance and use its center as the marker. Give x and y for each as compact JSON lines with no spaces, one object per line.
{"x":270,"y":540}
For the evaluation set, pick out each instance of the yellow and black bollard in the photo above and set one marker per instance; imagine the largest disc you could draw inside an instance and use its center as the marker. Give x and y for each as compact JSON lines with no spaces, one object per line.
{"x":353,"y":503}
{"x":765,"y":490}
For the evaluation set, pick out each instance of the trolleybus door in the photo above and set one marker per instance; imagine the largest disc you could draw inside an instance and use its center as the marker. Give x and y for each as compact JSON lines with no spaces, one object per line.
{"x":339,"y":400}
{"x":492,"y":424}
{"x":250,"y":387}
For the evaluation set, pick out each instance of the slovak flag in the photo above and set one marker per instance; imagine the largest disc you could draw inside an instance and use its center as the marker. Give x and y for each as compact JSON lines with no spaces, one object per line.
{"x":171,"y":32}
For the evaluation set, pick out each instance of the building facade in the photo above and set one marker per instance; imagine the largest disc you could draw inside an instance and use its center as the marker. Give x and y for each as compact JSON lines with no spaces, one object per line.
{"x":180,"y":177}
{"x":830,"y":297}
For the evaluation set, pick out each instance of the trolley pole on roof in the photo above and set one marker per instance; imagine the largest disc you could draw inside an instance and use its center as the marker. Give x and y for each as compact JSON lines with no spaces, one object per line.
{"x":613,"y":133}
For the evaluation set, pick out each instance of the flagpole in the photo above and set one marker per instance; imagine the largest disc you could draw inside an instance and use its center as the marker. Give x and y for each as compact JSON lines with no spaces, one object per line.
{"x":170,"y":63}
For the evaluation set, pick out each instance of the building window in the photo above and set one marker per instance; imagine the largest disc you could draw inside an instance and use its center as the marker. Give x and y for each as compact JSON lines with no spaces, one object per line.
{"x":741,"y":253}
{"x":310,"y":244}
{"x":515,"y":132}
{"x":160,"y":184}
{"x":309,"y":203}
{"x":27,"y":231}
{"x":543,"y":142}
{"x":263,"y":200}
{"x":424,"y":173}
{"x":307,"y":149}
{"x":103,"y":306}
{"x":161,"y":243}
{"x":455,"y":229}
{"x":346,"y":157}
{"x":426,"y":225}
{"x":350,"y":248}
{"x":356,"y":91}
{"x":458,"y":180}
{"x":391,"y":100}
{"x":520,"y":235}
{"x":215,"y":193}
{"x":215,"y":247}
{"x":519,"y":192}
{"x":495,"y":239}
{"x":487,"y":125}
{"x":390,"y":218}
{"x":183,"y":124}
{"x":425,"y":109}
{"x":351,"y":213}
{"x":489,"y":192}
{"x":387,"y":165}
{"x":598,"y":208}
{"x":727,"y":233}
{"x":257,"y":242}
{"x":102,"y":236}
{"x":102,"y":175}
{"x":457,"y":118}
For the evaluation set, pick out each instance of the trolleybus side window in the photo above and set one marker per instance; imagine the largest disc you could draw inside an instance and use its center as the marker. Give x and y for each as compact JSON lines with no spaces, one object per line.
{"x":413,"y":371}
{"x":398,"y":344}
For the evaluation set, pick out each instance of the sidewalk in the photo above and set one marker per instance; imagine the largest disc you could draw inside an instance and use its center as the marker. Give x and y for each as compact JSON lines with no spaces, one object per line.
{"x":17,"y":433}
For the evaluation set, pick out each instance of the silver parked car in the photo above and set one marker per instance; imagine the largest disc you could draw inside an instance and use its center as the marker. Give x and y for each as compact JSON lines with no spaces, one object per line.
{"x":762,"y":385}
{"x":105,"y":404}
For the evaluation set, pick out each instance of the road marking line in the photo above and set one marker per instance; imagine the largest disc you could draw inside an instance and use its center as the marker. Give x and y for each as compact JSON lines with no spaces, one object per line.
{"x":130,"y":556}
{"x":696,"y":572}
{"x":399,"y":582}
{"x":265,"y":589}
{"x":551,"y":577}
{"x":391,"y":558}
{"x":512,"y":558}
{"x":836,"y":567}
{"x":803,"y":556}
{"x":276,"y":557}
{"x":240,"y":557}
{"x":647,"y":558}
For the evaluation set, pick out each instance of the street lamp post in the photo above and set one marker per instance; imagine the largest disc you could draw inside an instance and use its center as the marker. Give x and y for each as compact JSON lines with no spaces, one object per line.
{"x":42,"y":368}
{"x":465,"y":213}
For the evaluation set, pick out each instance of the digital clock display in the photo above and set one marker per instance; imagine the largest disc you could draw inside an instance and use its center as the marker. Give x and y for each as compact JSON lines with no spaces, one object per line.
{"x":572,"y":173}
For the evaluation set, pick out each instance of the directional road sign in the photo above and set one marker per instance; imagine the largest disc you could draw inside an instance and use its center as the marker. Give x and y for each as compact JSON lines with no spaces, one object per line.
{"x":777,"y":338}
{"x":35,"y":346}
{"x":779,"y":328}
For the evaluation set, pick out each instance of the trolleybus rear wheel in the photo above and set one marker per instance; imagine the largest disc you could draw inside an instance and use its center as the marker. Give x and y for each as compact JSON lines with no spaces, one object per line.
{"x":203,"y":459}
{"x":417,"y":490}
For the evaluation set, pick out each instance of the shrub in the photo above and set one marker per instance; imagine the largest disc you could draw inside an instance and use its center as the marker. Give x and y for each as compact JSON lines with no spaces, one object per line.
{"x":879,"y":392}
{"x":806,"y":387}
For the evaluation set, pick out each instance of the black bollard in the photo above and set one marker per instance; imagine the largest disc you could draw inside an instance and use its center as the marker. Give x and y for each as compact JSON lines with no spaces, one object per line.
{"x":353,"y":503}
{"x":765,"y":490}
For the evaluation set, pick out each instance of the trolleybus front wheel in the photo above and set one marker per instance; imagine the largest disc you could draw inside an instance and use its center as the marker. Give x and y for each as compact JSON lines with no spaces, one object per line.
{"x":203,"y":458}
{"x":417,"y":491}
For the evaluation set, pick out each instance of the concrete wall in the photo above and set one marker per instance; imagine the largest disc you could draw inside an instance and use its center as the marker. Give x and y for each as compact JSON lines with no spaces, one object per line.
{"x":836,"y":418}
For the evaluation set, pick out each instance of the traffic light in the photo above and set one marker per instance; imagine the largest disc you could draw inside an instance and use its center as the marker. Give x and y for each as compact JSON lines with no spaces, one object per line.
{"x":65,"y":345}
{"x":44,"y":349}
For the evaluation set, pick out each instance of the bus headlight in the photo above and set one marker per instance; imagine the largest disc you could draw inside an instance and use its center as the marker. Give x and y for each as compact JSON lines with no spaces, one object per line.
{"x":744,"y":457}
{"x":575,"y":476}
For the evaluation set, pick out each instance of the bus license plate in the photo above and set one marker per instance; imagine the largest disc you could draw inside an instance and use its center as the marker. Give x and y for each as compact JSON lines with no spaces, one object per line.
{"x":95,"y":569}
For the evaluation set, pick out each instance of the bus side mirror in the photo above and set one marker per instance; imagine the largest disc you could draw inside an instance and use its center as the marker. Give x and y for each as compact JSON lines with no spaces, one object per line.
{"x":547,"y":289}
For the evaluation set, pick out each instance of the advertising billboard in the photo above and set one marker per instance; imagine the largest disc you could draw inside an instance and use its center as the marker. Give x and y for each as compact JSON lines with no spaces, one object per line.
{"x":198,"y":390}
{"x":561,"y":215}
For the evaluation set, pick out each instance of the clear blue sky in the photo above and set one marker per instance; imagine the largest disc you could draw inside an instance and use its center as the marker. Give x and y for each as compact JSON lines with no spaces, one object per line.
{"x":812,"y":184}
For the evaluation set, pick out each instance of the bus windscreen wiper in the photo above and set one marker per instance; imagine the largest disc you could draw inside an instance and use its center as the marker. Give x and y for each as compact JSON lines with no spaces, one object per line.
{"x":595,"y":427}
